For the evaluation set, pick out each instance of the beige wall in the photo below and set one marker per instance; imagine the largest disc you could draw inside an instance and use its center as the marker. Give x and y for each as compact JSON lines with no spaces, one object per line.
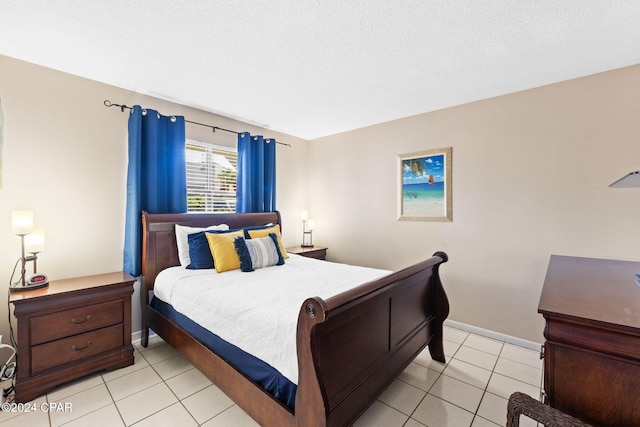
{"x":65,"y":158}
{"x":530,"y":178}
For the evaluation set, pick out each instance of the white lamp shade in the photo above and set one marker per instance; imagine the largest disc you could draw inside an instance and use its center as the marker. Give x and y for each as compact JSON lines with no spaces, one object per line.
{"x":34,"y":242}
{"x":311,"y":225}
{"x":22,"y":222}
{"x":304,"y":215}
{"x":628,"y":181}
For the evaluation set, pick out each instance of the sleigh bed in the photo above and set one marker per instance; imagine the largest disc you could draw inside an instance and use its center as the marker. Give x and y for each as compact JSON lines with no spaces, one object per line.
{"x":349,"y":346}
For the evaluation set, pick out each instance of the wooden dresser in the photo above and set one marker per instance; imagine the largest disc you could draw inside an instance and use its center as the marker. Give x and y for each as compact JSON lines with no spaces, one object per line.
{"x":592,"y":348}
{"x":72,"y":328}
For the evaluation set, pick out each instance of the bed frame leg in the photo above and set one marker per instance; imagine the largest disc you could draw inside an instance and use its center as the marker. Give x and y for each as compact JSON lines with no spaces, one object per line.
{"x":144,"y":301}
{"x":144,"y":336}
{"x":436,"y":346}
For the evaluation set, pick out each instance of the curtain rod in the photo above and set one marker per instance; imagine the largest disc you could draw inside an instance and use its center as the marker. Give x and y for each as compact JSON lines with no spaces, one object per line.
{"x":108,"y":103}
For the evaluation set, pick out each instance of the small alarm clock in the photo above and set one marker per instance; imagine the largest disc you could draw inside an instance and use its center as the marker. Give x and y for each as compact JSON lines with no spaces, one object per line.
{"x":38,"y":280}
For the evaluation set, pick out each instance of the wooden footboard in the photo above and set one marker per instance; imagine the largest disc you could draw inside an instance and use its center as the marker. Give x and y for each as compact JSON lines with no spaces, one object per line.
{"x":350,"y":346}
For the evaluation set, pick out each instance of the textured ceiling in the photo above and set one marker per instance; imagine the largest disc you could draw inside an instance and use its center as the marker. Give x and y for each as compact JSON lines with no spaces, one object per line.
{"x":315,"y":68}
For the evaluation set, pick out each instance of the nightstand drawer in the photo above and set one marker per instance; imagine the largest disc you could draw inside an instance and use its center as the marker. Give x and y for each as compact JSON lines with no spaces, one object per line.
{"x":75,"y":321}
{"x":57,"y":353}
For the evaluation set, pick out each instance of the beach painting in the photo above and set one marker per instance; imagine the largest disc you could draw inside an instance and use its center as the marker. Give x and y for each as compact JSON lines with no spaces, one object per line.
{"x":424,"y":181}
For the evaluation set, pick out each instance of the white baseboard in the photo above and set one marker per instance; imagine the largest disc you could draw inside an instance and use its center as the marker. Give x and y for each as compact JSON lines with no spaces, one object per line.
{"x":495,"y":335}
{"x":135,"y":337}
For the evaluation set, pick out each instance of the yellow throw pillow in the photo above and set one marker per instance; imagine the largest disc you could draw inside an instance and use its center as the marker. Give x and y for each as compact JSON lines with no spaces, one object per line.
{"x":264,"y":232}
{"x":223,"y":251}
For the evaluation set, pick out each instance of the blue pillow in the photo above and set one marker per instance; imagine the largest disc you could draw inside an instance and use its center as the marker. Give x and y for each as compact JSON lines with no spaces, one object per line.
{"x":258,"y":253}
{"x":254,"y":227}
{"x":199,"y":250}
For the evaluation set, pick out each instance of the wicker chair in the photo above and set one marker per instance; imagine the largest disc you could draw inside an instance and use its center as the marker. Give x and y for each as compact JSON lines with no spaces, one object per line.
{"x":523,"y":404}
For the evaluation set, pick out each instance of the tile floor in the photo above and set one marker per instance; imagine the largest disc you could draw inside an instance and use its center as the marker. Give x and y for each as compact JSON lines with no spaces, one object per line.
{"x":163,"y":389}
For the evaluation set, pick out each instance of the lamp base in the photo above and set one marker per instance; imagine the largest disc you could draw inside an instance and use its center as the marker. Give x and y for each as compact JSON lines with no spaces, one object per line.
{"x":30,"y":286}
{"x":306,"y":246}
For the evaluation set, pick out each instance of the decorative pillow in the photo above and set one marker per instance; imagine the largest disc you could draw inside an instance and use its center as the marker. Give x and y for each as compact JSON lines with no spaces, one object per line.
{"x":251,"y":233}
{"x":258,"y":253}
{"x":255,"y":227}
{"x":182,"y":231}
{"x":199,"y":250}
{"x":224,"y":253}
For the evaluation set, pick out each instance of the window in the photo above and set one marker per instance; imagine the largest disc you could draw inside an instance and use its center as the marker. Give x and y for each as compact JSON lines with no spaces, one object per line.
{"x":211,"y":177}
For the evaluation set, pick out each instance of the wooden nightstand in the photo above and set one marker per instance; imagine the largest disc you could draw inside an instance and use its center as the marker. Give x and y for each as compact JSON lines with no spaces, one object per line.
{"x":318,"y":252}
{"x":72,"y":328}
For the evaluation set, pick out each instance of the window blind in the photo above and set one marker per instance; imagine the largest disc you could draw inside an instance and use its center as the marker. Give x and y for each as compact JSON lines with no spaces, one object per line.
{"x":211,"y":177}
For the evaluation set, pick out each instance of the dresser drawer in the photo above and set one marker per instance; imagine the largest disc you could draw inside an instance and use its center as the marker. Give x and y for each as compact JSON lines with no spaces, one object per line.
{"x":57,"y":353}
{"x":74,"y":321}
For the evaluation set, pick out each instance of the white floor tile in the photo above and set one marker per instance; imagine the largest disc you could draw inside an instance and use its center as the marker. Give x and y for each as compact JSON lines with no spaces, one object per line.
{"x":233,"y":416}
{"x":519,"y":371}
{"x":424,"y":359}
{"x":493,"y":408}
{"x":419,"y":376}
{"x":485,"y":344}
{"x":145,"y":403}
{"x":33,"y":416}
{"x":207,"y":403}
{"x":476,"y":357}
{"x":481,"y":422}
{"x":139,"y":363}
{"x":450,"y":348}
{"x":435,"y":412}
{"x":454,"y":335}
{"x":82,"y":403}
{"x":171,"y":367}
{"x":413,"y":423}
{"x":457,"y":392}
{"x":381,"y":415}
{"x":402,"y":396}
{"x":188,"y":383}
{"x":468,"y":373}
{"x":505,"y":387}
{"x":107,"y":416}
{"x":59,"y":393}
{"x":522,"y":355}
{"x":174,"y":415}
{"x":132,"y":383}
{"x":158,"y":353}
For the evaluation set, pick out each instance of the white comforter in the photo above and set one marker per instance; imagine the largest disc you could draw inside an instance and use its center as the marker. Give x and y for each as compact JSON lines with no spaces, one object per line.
{"x":258,"y":311}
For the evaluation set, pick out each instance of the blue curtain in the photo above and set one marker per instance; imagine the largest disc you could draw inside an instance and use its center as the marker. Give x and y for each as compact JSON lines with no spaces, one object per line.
{"x":156,"y":175}
{"x":256,"y":190}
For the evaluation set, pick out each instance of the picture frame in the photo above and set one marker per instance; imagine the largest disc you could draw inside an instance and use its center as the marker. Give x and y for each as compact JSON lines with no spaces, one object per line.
{"x":424,"y":186}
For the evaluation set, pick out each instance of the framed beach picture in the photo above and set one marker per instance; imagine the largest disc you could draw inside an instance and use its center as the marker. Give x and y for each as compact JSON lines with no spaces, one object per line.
{"x":424,"y":186}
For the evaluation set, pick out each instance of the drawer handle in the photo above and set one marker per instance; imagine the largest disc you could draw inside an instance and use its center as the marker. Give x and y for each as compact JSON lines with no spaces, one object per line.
{"x":78,"y":349}
{"x":86,"y":319}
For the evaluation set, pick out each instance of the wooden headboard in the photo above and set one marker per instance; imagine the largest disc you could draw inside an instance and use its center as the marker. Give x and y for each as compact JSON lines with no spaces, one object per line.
{"x":159,"y":248}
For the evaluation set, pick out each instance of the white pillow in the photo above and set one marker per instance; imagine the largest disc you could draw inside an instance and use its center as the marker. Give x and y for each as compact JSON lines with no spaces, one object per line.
{"x":182,"y":231}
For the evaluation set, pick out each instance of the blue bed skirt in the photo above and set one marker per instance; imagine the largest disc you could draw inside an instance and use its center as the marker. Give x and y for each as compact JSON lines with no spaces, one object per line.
{"x":260,"y":372}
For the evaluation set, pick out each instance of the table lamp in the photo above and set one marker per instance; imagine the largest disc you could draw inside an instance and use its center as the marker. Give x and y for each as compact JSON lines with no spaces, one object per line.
{"x":630,"y":180}
{"x":33,"y":241}
{"x":308,"y":226}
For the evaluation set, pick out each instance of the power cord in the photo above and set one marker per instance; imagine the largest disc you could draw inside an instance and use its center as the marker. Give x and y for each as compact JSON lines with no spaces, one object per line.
{"x":7,"y":391}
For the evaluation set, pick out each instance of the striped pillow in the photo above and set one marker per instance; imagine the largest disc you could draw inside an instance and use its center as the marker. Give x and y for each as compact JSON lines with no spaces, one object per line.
{"x":258,"y":253}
